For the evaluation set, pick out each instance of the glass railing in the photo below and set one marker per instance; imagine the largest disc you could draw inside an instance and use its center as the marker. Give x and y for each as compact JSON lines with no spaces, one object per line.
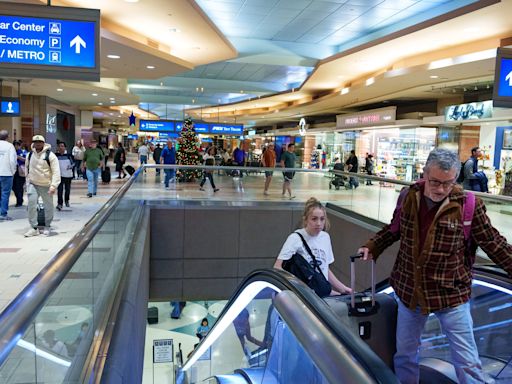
{"x":375,"y":197}
{"x":50,"y":329}
{"x":275,"y":330}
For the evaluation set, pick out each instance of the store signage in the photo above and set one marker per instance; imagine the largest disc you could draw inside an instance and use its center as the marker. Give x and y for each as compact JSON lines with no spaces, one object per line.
{"x":133,"y":137}
{"x":167,"y":135}
{"x":162,"y":351}
{"x":62,"y":38}
{"x":222,"y":129}
{"x":367,"y":118}
{"x":51,"y":123}
{"x":302,"y":127}
{"x":156,"y":125}
{"x":502,"y":93}
{"x":251,"y":132}
{"x":9,"y":106}
{"x":470,"y":111}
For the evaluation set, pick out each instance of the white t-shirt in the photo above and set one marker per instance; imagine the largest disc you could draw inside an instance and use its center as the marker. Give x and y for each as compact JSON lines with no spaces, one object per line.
{"x":143,"y":150}
{"x":320,"y":245}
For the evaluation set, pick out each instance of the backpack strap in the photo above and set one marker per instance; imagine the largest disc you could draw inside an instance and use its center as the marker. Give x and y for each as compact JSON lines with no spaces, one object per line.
{"x":309,"y":251}
{"x":468,"y":211}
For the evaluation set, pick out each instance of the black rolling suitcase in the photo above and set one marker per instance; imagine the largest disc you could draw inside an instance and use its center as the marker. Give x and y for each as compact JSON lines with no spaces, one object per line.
{"x":41,"y":220}
{"x":153,"y":315}
{"x":105,"y":175}
{"x":372,"y":317}
{"x":129,"y":169}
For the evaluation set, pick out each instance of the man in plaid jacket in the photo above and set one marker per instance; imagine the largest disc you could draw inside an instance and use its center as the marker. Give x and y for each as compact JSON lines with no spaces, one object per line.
{"x":432,"y":271}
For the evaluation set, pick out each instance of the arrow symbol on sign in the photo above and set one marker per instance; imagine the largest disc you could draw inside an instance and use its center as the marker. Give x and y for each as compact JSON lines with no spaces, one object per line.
{"x":77,"y":42}
{"x":509,"y":79}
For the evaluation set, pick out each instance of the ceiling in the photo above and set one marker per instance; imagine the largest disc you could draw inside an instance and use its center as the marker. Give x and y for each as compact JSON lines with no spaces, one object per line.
{"x":262,"y":61}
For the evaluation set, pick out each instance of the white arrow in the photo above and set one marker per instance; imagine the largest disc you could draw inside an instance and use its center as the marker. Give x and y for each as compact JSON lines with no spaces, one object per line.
{"x":77,"y":42}
{"x":509,"y":79}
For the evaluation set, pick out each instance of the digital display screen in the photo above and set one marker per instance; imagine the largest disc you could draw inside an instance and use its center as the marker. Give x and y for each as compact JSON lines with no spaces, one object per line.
{"x":502,"y":93}
{"x":10,"y":107}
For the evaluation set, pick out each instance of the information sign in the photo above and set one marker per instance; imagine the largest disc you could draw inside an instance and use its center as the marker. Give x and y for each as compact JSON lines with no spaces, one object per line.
{"x":156,"y":125}
{"x":223,"y":129}
{"x":9,"y":106}
{"x":162,"y":351}
{"x":133,"y":137}
{"x":502,"y":93}
{"x":60,"y":42}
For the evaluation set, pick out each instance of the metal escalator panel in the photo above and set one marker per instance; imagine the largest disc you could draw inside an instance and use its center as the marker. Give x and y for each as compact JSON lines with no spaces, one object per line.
{"x":277,"y":331}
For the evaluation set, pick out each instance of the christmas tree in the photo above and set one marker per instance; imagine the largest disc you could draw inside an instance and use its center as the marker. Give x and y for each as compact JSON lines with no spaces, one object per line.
{"x":188,"y":153}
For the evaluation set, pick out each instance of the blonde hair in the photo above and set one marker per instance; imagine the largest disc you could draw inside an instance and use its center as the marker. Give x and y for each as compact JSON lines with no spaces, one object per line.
{"x":312,"y":204}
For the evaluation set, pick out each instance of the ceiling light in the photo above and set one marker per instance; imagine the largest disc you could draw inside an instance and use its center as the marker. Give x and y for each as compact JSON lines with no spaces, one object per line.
{"x":150,"y":66}
{"x":345,"y":90}
{"x":161,"y":83}
{"x":59,"y":89}
{"x":100,"y":103}
{"x":132,"y":1}
{"x":475,"y":89}
{"x":94,"y":94}
{"x":112,"y":101}
{"x":465,"y":89}
{"x":111,"y":98}
{"x":370,"y":81}
{"x":241,"y":91}
{"x":488,"y":86}
{"x":434,"y":77}
{"x":113,"y":56}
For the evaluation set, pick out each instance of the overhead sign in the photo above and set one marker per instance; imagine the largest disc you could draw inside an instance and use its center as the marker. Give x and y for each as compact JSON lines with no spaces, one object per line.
{"x":133,"y":137}
{"x":9,"y":106}
{"x":167,"y":135}
{"x":223,"y":129}
{"x":60,"y":42}
{"x":470,"y":111}
{"x":156,"y":125}
{"x":374,"y":117}
{"x":502,"y":93}
{"x":162,"y":351}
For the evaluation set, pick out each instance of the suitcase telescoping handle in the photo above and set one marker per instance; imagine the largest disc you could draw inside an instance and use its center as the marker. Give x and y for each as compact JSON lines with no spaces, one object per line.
{"x":353,"y":279}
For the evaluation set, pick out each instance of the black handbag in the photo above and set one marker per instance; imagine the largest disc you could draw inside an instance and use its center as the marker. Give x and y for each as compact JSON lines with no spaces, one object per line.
{"x":311,"y":275}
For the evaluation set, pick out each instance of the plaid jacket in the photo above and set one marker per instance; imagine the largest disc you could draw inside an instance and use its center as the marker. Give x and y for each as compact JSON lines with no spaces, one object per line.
{"x":440,"y":275}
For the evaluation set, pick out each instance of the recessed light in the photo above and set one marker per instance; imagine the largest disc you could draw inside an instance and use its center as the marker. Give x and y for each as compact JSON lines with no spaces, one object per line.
{"x":113,"y":56}
{"x":132,"y":1}
{"x":150,"y":66}
{"x":59,"y":89}
{"x":94,"y":94}
{"x":345,"y":90}
{"x":111,"y":113}
{"x":175,"y":30}
{"x":434,"y":77}
{"x":100,"y":103}
{"x":370,"y":81}
{"x":112,"y":101}
{"x":111,"y":98}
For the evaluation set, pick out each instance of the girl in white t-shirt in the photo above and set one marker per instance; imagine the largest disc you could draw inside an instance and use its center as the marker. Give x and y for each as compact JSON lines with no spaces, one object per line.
{"x":315,"y":223}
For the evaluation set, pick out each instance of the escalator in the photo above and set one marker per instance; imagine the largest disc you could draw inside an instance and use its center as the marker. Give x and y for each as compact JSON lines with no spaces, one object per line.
{"x":292,"y":336}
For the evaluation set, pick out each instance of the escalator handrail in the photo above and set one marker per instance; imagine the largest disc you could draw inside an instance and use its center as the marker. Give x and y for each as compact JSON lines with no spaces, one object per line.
{"x":19,"y":314}
{"x":286,"y":281}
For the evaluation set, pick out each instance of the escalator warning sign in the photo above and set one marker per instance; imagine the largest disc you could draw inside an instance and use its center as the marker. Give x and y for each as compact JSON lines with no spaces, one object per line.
{"x":162,"y":351}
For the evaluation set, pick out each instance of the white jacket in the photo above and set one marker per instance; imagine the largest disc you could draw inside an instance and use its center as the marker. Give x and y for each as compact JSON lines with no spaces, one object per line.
{"x":78,"y":152}
{"x":7,"y":158}
{"x":38,"y":171}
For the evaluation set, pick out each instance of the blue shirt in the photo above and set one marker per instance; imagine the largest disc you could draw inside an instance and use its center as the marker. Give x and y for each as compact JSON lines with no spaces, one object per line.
{"x":169,"y":155}
{"x":22,"y":153}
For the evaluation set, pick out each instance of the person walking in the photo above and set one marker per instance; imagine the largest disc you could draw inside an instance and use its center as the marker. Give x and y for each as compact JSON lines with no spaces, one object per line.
{"x":18,"y":183}
{"x":92,"y":165}
{"x":268,"y":160}
{"x":474,"y":180}
{"x":209,"y":159}
{"x":143,"y":152}
{"x":288,"y":160}
{"x":369,"y":166}
{"x":352,"y":164}
{"x":66,"y":165}
{"x":157,"y":153}
{"x":168,"y":157}
{"x":433,"y":270}
{"x":7,"y":170}
{"x":119,"y":160}
{"x":43,"y":179}
{"x":78,"y":156}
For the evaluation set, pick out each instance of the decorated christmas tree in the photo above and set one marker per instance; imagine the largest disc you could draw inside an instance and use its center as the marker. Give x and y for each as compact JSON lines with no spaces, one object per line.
{"x":188,"y":153}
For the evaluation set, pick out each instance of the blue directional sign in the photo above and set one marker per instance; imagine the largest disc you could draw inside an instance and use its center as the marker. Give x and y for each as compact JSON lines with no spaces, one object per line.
{"x":502,"y":93}
{"x":59,"y":42}
{"x":223,"y":129}
{"x":156,"y":126}
{"x":9,"y":106}
{"x":29,"y":40}
{"x":167,"y":135}
{"x":133,"y":137}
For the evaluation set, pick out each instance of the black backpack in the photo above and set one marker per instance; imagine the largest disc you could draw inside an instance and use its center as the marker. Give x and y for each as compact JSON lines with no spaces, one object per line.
{"x":460,"y":179}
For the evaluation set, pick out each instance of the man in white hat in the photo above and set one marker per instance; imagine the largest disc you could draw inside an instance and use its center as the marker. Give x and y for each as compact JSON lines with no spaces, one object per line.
{"x":43,"y":179}
{"x":7,"y":169}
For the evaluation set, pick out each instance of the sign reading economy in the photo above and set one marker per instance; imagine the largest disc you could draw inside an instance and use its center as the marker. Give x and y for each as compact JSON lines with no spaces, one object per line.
{"x":62,"y":43}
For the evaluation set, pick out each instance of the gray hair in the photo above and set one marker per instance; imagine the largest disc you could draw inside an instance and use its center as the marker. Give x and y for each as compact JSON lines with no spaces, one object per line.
{"x":4,"y":134}
{"x":444,"y":159}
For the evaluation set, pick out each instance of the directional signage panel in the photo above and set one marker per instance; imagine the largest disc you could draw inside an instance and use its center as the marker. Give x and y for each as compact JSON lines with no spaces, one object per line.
{"x":223,"y":129}
{"x":60,"y":42}
{"x":502,"y":93}
{"x":156,"y":126}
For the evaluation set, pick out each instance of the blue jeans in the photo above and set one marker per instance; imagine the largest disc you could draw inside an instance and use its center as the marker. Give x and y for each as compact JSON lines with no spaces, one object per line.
{"x":5,"y":192}
{"x":353,"y":182}
{"x":92,"y":180}
{"x":456,"y":324}
{"x":169,"y":174}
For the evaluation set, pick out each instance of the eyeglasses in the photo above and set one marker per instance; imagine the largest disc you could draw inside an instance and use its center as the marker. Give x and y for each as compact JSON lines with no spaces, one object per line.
{"x":445,"y":184}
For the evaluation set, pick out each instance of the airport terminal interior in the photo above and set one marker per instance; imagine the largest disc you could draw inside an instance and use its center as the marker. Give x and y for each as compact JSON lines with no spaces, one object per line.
{"x":158,"y":268}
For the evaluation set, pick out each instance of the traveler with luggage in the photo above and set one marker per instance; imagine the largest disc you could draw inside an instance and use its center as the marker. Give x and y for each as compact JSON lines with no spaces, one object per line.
{"x":337,"y":181}
{"x":43,"y":179}
{"x":119,"y":160}
{"x":156,"y":156}
{"x":92,"y":165}
{"x":313,"y":244}
{"x":66,"y":165}
{"x":440,"y":227}
{"x":369,"y":166}
{"x":352,"y":164}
